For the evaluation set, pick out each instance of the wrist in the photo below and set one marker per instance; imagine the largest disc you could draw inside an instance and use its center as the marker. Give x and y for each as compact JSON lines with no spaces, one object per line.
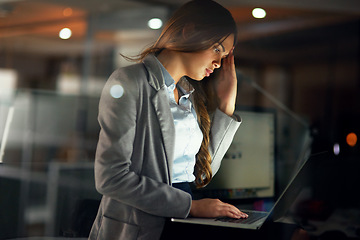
{"x":193,"y":208}
{"x":228,"y":109}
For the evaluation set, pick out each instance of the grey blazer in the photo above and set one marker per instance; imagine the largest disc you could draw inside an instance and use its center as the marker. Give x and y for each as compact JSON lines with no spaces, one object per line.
{"x":133,"y":164}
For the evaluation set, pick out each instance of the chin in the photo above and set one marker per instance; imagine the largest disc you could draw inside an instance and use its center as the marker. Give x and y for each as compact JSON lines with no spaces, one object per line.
{"x":199,"y":78}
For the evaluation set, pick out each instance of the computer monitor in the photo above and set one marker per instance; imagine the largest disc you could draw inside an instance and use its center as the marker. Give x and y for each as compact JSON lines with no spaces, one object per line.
{"x":248,"y":168}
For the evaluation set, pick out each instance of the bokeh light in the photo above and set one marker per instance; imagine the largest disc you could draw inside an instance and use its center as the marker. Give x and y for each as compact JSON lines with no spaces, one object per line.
{"x":258,"y":13}
{"x":67,"y":12}
{"x":336,"y":149}
{"x":65,"y":33}
{"x":351,"y":139}
{"x":155,"y":23}
{"x":117,"y":91}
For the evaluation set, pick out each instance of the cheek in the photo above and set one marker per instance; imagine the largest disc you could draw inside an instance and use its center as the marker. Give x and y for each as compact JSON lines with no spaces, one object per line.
{"x":197,"y":63}
{"x":203,"y":61}
{"x":195,"y":72}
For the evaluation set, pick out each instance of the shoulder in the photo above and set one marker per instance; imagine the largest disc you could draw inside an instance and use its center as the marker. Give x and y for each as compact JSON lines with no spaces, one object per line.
{"x":123,"y":83}
{"x":132,"y":72}
{"x":130,"y":77}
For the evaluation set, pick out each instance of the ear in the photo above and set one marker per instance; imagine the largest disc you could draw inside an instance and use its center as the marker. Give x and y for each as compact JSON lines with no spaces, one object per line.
{"x":188,"y":30}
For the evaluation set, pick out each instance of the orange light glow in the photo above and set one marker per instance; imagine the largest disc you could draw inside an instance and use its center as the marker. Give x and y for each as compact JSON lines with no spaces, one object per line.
{"x":67,"y":12}
{"x":351,"y":139}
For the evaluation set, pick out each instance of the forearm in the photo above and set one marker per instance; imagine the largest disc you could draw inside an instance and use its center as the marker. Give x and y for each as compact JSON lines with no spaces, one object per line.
{"x":141,"y":192}
{"x":223,"y":129}
{"x":227,"y":107}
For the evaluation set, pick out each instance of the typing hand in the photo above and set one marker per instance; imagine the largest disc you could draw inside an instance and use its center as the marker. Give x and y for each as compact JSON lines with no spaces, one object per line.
{"x":214,"y":208}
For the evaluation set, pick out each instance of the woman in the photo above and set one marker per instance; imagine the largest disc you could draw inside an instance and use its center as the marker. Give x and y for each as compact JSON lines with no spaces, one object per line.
{"x":168,"y":124}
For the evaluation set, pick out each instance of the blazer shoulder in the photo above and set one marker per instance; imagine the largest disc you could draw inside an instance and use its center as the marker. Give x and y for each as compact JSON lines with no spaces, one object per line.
{"x":133,"y":72}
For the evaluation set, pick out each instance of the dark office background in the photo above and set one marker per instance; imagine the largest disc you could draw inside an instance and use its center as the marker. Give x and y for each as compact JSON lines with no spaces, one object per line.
{"x":304,"y":54}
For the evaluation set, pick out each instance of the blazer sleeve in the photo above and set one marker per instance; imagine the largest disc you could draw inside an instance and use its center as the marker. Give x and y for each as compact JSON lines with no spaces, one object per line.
{"x":114,"y":176}
{"x":223,"y":129}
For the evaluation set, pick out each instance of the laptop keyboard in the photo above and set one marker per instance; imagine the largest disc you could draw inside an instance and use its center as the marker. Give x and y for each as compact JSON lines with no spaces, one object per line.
{"x":253,"y":217}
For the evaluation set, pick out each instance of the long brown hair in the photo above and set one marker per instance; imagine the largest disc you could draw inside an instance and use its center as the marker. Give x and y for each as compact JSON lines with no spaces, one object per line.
{"x":204,"y":22}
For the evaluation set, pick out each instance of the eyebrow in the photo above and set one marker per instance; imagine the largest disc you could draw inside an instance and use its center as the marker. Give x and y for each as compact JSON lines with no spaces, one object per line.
{"x":222,"y":47}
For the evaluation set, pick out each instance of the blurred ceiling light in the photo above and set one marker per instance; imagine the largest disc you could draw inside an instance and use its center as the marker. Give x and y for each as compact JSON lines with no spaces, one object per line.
{"x":351,"y":139}
{"x":65,"y":33}
{"x":258,"y":13}
{"x":336,"y":149}
{"x":67,"y":12}
{"x":155,"y":23}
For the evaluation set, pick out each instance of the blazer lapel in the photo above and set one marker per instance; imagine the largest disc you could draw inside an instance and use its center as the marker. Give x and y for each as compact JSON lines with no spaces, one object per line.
{"x":161,"y":105}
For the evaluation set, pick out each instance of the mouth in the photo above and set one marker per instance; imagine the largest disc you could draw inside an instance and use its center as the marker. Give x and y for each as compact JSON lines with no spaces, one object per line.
{"x":208,"y":72}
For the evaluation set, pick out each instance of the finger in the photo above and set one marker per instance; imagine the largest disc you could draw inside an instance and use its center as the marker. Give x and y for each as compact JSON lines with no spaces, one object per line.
{"x":234,"y":214}
{"x":232,"y":58}
{"x":237,"y":213}
{"x":244,"y":215}
{"x":229,"y":62}
{"x":227,"y":65}
{"x":233,"y":211}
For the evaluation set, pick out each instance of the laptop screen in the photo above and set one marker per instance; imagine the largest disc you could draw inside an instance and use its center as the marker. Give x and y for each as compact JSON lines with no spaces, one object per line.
{"x":248,"y":168}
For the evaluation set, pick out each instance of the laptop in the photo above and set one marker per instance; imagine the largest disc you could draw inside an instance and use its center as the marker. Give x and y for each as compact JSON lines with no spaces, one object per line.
{"x":256,"y":219}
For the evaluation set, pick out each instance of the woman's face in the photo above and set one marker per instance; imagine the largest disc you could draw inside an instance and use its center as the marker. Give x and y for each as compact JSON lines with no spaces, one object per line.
{"x":198,"y":65}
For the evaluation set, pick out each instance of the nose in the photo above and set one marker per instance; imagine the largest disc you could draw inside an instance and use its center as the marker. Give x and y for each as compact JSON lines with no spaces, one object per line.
{"x":217,"y":63}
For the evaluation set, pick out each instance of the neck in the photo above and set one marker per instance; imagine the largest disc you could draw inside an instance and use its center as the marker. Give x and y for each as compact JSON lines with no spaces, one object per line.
{"x":171,"y":60}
